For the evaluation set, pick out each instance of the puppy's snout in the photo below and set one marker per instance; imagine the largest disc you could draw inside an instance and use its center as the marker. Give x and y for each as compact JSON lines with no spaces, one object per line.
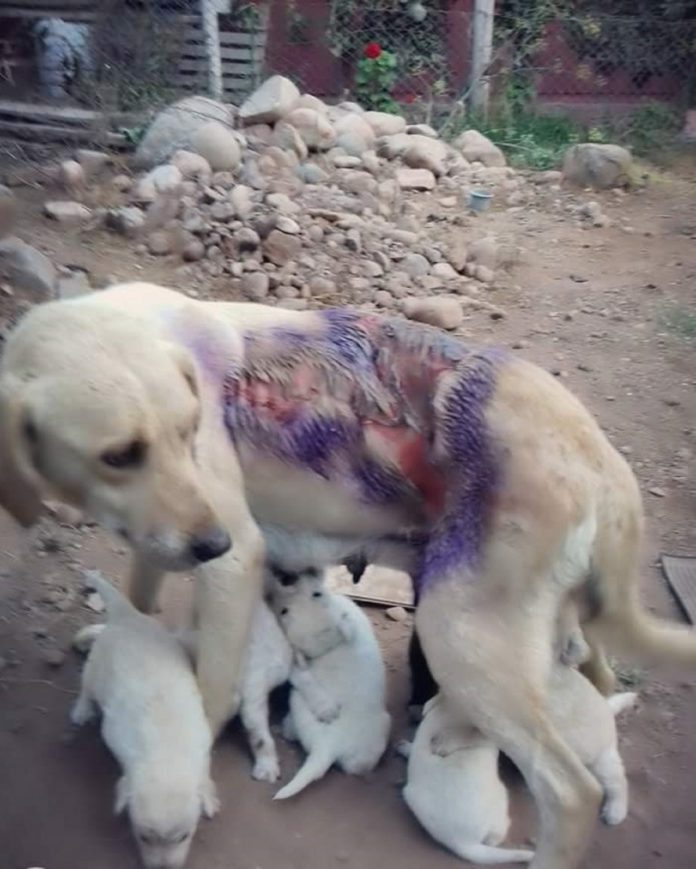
{"x":206,"y":547}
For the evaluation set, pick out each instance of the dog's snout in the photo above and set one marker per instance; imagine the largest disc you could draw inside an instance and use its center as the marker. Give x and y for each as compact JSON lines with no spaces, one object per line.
{"x":206,"y":547}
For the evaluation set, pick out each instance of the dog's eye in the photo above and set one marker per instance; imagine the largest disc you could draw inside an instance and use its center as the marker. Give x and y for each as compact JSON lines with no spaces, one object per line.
{"x":131,"y":456}
{"x":317,"y":594}
{"x":148,"y":838}
{"x":177,"y":840}
{"x":284,"y":611}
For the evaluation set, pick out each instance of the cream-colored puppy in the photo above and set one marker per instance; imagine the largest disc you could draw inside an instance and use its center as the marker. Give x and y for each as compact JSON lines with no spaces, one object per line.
{"x":454,"y":788}
{"x":140,"y":678}
{"x":336,"y":640}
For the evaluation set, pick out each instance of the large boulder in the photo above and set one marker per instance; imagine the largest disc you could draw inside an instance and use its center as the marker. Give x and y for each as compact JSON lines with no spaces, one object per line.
{"x":314,"y":128}
{"x":600,"y":166}
{"x":475,"y":146}
{"x":384,"y":123}
{"x":175,"y":127}
{"x":425,"y":153}
{"x":27,"y":269}
{"x":354,"y":134}
{"x":218,"y":144}
{"x":270,"y":102}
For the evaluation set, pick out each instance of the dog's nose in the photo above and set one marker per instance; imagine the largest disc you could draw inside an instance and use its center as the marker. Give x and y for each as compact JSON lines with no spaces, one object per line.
{"x":211,"y":545}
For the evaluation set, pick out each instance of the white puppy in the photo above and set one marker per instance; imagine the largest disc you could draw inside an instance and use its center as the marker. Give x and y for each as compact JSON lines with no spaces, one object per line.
{"x":335,"y":639}
{"x":140,"y":677}
{"x":459,"y":798}
{"x":453,"y":785}
{"x":270,"y":663}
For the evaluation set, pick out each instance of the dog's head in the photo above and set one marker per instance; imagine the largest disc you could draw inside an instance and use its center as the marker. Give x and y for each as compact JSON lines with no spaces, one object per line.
{"x":99,"y":411}
{"x":164,"y":815}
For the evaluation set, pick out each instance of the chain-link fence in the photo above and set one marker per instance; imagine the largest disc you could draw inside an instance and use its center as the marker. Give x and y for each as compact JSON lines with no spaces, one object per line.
{"x":119,"y":56}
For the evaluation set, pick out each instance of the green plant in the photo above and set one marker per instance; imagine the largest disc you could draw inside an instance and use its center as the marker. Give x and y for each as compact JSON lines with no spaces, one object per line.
{"x":375,"y":76}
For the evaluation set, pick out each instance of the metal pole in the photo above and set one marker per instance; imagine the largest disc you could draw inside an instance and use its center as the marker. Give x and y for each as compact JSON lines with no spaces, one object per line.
{"x":481,"y":53}
{"x":211,"y":35}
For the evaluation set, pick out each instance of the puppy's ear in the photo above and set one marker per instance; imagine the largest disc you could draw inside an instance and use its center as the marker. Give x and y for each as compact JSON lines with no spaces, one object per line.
{"x":20,"y":483}
{"x":122,"y":795}
{"x":210,"y":804}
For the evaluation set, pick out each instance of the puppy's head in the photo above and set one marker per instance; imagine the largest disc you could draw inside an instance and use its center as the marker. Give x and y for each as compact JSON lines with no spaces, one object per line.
{"x":102,"y":413}
{"x":164,"y":816}
{"x":306,"y":614}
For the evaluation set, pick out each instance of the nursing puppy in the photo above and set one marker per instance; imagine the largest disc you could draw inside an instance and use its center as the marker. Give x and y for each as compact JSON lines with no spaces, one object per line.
{"x":140,"y":678}
{"x":336,"y":640}
{"x":269,"y":664}
{"x":454,"y":788}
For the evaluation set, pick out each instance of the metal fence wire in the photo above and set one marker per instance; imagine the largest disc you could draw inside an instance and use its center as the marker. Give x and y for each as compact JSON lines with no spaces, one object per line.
{"x":132,"y":55}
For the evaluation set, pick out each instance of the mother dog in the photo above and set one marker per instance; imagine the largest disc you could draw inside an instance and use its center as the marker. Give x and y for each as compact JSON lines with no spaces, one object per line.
{"x":182,"y":424}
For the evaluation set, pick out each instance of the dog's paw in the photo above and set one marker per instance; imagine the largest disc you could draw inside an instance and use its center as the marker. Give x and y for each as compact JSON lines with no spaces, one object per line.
{"x":614,"y":812}
{"x":442,"y":745}
{"x":266,"y":769}
{"x":403,"y":748}
{"x":576,"y":650}
{"x":85,"y":637}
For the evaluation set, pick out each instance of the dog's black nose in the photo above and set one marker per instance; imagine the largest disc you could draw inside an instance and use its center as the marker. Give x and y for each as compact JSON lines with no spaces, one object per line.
{"x":209,"y":546}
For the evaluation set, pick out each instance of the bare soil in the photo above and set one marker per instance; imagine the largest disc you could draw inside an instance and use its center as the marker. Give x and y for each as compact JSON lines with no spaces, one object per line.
{"x":607,"y":311}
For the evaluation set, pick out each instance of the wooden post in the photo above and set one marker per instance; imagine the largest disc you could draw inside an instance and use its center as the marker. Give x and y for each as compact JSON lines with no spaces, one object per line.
{"x":211,"y":35}
{"x":481,"y":54}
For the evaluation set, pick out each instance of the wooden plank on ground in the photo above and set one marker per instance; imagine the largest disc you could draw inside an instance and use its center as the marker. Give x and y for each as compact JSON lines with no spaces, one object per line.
{"x":680,"y":571}
{"x":53,"y":133}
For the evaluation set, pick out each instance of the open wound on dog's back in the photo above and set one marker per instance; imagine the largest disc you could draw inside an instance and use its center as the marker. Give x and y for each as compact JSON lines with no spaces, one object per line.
{"x":354,"y":403}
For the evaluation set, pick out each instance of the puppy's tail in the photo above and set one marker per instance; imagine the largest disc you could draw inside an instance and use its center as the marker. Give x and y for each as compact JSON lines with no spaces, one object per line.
{"x":620,"y":702}
{"x":316,"y":765}
{"x":116,"y":603}
{"x":490,"y":854}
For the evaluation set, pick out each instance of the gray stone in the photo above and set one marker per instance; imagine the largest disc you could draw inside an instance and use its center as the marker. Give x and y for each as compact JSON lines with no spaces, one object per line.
{"x":288,"y":137}
{"x":422,"y":130}
{"x":310,"y":173}
{"x":444,"y":270}
{"x":247,"y":240}
{"x":426,"y":153}
{"x":26,"y":268}
{"x":270,"y":102}
{"x":175,"y":127}
{"x":192,"y":166}
{"x":384,"y":299}
{"x":282,"y":203}
{"x":93,"y":162}
{"x":394,"y":146}
{"x":67,"y":213}
{"x":415,"y":179}
{"x":384,"y":123}
{"x":442,"y":311}
{"x":280,"y":248}
{"x":241,"y":198}
{"x":287,"y":224}
{"x":193,"y":250}
{"x":128,"y":220}
{"x":321,"y":287}
{"x":73,"y":285}
{"x":415,"y":265}
{"x":255,"y":285}
{"x":160,"y":242}
{"x":314,"y":128}
{"x":600,"y":166}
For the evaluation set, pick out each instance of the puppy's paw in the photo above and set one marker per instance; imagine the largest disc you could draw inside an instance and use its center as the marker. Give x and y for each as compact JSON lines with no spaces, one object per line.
{"x":614,"y":812}
{"x":210,"y":802}
{"x":575,"y":651}
{"x":443,"y":744}
{"x":85,"y":637}
{"x":266,"y":769}
{"x":403,"y":748}
{"x":83,"y":711}
{"x":326,"y":710}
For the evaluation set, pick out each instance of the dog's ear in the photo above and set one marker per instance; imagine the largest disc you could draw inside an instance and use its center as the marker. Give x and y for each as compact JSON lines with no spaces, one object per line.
{"x":122,"y":795}
{"x":20,"y":483}
{"x":185,"y":363}
{"x":210,"y":804}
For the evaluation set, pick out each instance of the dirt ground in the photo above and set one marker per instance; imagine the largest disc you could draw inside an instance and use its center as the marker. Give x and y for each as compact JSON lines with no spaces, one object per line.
{"x":606,"y":310}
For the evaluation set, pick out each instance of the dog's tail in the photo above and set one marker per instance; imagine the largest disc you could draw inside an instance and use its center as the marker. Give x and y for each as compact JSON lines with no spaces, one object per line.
{"x":490,"y":854}
{"x":316,"y":765}
{"x":116,"y":603}
{"x":618,"y":703}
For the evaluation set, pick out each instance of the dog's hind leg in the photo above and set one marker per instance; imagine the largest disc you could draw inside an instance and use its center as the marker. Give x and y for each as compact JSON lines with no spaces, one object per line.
{"x":490,"y":650}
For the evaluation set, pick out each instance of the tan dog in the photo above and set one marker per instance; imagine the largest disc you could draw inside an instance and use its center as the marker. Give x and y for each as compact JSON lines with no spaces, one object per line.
{"x":357,"y":430}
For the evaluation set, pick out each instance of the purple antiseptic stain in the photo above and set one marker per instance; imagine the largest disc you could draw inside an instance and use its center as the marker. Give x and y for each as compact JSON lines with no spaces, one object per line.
{"x":322,"y":399}
{"x":455,"y":542}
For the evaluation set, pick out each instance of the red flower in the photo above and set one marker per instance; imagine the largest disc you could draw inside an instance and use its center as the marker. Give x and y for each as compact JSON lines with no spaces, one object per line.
{"x":372,"y":50}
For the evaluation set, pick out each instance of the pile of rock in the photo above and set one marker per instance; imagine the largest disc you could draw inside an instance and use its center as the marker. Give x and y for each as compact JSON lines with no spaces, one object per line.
{"x":288,"y":196}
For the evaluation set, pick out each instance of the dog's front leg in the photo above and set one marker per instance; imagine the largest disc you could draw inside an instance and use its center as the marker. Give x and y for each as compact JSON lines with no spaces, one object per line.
{"x":226,"y":593}
{"x":145,"y":583}
{"x":321,"y":704}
